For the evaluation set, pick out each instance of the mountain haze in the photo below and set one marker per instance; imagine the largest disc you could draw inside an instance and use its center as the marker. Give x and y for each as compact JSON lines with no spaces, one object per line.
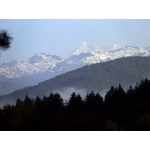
{"x":97,"y":77}
{"x":15,"y":75}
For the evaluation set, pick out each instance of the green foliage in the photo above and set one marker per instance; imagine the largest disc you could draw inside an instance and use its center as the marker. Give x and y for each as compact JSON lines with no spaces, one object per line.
{"x":110,"y":126}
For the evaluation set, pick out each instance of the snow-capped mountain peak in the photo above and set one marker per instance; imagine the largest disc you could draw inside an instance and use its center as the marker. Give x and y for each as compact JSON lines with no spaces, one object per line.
{"x":86,"y":54}
{"x":42,"y":66}
{"x":36,"y":64}
{"x":116,"y":46}
{"x":39,"y":57}
{"x":84,"y":48}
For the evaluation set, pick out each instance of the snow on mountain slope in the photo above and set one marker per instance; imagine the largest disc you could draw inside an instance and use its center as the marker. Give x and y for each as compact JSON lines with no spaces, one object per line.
{"x":116,"y":46}
{"x":40,"y":67}
{"x":42,"y":63}
{"x":86,"y":54}
{"x":36,"y":64}
{"x":84,"y":48}
{"x":98,"y":56}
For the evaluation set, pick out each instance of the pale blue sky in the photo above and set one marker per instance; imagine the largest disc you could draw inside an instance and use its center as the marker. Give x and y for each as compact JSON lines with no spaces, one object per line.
{"x":62,"y":37}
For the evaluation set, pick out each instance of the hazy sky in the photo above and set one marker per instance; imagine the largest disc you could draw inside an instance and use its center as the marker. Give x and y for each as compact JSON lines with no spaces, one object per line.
{"x":61,"y":37}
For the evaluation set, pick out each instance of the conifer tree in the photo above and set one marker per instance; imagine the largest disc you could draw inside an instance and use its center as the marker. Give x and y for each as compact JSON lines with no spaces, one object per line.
{"x":5,"y":40}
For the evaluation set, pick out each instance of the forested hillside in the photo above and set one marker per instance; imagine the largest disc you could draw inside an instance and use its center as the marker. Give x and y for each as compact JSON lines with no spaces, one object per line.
{"x":119,"y":110}
{"x":97,"y":77}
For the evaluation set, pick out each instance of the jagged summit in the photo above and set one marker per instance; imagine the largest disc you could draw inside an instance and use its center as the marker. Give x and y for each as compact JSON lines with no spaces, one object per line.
{"x":42,"y":66}
{"x":84,"y":48}
{"x":84,"y":55}
{"x":116,"y":46}
{"x":43,"y":57}
{"x":38,"y":63}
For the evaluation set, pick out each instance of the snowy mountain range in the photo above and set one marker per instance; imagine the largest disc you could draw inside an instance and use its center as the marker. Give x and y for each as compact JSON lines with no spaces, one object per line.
{"x":36,"y":64}
{"x":42,"y":66}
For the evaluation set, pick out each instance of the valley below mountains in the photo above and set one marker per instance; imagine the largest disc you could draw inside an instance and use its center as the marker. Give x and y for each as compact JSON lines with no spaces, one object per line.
{"x":98,"y":77}
{"x":89,"y":68}
{"x":15,"y":75}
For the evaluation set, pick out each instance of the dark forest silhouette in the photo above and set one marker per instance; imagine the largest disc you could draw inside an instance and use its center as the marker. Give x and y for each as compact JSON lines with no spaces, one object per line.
{"x":118,"y":110}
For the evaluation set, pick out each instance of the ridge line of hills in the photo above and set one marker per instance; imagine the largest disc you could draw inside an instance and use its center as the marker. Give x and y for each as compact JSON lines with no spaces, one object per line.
{"x":98,"y":77}
{"x":16,"y":75}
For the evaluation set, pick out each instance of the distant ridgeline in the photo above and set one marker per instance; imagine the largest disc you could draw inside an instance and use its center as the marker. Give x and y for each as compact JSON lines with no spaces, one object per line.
{"x":40,"y":67}
{"x":97,"y":77}
{"x":119,"y":110}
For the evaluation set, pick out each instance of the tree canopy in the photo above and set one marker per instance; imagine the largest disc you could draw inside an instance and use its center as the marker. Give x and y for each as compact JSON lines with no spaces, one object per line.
{"x":118,"y":110}
{"x":5,"y":40}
